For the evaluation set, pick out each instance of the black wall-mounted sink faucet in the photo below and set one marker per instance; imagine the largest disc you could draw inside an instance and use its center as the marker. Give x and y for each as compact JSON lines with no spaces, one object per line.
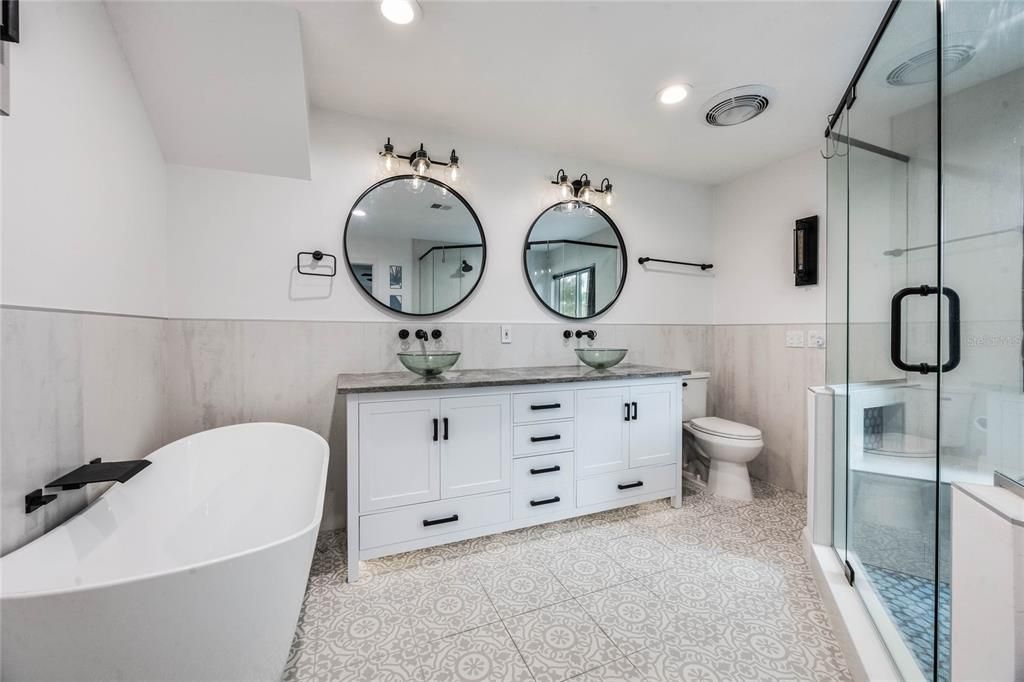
{"x":421,"y":335}
{"x":590,"y":334}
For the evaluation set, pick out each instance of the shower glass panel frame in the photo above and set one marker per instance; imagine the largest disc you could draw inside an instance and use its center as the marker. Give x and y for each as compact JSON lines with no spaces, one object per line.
{"x":925,"y":312}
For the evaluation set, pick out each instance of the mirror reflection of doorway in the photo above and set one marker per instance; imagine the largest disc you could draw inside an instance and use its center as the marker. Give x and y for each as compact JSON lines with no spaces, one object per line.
{"x":364,"y":275}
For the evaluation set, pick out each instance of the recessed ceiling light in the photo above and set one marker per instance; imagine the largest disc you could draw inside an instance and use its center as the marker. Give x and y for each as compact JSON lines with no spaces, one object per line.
{"x":673,"y":94}
{"x":400,"y":11}
{"x":359,"y":213}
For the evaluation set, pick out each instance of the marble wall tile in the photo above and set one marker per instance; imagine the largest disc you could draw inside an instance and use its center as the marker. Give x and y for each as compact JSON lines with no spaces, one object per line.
{"x":757,"y":380}
{"x":73,"y":387}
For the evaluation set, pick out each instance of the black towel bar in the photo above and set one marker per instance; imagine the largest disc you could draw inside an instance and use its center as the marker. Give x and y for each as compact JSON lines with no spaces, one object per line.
{"x":702,"y":266}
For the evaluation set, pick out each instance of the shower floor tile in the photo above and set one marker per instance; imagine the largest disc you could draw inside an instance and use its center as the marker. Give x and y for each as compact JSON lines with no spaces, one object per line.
{"x":910,"y":601}
{"x":716,"y":589}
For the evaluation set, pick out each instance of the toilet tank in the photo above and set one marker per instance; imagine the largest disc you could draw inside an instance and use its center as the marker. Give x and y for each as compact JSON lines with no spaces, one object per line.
{"x":695,"y":396}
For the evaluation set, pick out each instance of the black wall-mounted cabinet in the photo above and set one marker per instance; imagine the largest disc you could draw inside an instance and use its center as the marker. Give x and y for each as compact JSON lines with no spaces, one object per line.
{"x":805,"y":251}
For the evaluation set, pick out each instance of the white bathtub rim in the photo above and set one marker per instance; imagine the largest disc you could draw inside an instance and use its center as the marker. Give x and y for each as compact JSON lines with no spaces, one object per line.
{"x":312,"y":526}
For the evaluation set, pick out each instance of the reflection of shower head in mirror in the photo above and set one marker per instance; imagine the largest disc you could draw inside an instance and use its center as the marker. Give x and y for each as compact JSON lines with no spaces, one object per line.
{"x":466,"y":267}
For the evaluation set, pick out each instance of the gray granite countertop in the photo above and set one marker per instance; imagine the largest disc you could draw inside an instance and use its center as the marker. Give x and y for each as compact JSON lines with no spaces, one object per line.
{"x":377,"y":382}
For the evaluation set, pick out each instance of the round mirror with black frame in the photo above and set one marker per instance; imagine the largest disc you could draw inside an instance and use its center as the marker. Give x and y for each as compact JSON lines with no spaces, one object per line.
{"x":414,"y":245}
{"x":575,"y":260}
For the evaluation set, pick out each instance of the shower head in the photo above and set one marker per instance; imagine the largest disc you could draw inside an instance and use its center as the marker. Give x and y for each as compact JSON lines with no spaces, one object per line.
{"x":466,"y":267}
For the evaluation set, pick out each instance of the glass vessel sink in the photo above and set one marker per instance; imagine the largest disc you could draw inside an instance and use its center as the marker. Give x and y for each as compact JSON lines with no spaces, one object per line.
{"x":429,"y":363}
{"x":601,"y":358}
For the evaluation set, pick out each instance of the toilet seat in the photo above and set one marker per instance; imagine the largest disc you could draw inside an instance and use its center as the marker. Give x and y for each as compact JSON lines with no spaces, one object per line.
{"x":723,"y":428}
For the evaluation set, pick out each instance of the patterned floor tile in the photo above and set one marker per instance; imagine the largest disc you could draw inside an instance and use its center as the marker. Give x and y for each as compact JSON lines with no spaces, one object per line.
{"x":586,"y":570}
{"x":486,"y":653}
{"x":717,"y":590}
{"x":631,"y":615}
{"x":439,"y":608}
{"x":616,"y":671}
{"x":640,"y":555}
{"x":561,"y":641}
{"x":522,"y":586}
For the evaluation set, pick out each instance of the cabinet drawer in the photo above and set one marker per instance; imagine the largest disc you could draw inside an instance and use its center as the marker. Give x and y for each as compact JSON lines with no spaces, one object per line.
{"x":605,"y":487}
{"x":532,"y":439}
{"x":407,"y":523}
{"x":544,"y":405}
{"x":540,"y":480}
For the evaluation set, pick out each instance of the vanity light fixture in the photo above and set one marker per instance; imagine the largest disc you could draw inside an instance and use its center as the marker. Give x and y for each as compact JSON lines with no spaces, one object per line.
{"x":581,"y":189}
{"x":420,"y":161}
{"x":400,"y":11}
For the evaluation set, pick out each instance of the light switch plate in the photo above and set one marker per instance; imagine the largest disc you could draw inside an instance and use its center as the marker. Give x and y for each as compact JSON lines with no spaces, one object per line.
{"x":794,"y":339}
{"x":815,"y":339}
{"x":506,"y":333}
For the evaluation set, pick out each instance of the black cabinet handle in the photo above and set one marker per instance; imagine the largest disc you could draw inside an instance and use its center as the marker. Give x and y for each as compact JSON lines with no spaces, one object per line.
{"x":634,"y":411}
{"x":550,"y":500}
{"x":896,"y":330}
{"x":446,"y":428}
{"x":627,"y":411}
{"x":437,"y":522}
{"x":435,"y":430}
{"x":685,"y":384}
{"x":546,"y":406}
{"x":627,"y":486}
{"x":546,"y":470}
{"x":542,"y":439}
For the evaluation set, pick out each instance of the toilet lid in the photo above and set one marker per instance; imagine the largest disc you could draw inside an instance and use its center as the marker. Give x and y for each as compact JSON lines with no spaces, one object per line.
{"x":716,"y":426}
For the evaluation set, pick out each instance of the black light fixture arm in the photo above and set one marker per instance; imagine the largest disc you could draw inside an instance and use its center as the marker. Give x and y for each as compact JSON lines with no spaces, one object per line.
{"x":702,"y":266}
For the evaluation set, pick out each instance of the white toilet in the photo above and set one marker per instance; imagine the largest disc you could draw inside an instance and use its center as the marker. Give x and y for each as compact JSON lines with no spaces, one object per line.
{"x":728,"y":445}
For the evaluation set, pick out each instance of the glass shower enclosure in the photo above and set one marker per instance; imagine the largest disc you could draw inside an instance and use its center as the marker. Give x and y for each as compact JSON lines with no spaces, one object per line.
{"x":925,"y":161}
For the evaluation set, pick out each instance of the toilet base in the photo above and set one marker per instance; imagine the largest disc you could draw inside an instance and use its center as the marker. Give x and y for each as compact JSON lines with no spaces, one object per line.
{"x":731,"y":480}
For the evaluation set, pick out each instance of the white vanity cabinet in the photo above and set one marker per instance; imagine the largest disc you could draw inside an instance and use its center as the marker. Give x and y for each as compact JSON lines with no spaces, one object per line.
{"x":435,"y":463}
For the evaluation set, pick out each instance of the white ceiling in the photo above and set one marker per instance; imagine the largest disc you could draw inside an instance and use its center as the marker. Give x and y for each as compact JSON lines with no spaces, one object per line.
{"x":580,"y":78}
{"x":222,"y":82}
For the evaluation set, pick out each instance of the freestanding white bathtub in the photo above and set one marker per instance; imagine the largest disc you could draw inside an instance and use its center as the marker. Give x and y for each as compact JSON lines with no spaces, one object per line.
{"x":192,"y":570}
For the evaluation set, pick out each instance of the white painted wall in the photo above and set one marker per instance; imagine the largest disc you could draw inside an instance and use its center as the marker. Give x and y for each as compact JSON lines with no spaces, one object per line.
{"x":233,"y":236}
{"x":83,"y":176}
{"x":753,"y":220}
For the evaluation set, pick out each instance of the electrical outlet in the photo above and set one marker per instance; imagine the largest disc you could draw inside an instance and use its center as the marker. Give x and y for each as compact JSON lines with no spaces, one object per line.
{"x":794,"y":339}
{"x":506,"y":333}
{"x":815,"y":339}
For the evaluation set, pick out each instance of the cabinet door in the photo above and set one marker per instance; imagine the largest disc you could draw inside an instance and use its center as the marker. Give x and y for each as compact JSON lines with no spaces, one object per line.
{"x":476,"y":444}
{"x":602,"y":432}
{"x":398,"y":456}
{"x":655,"y":427}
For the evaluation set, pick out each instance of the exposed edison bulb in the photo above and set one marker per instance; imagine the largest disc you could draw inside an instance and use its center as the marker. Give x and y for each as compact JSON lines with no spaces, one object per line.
{"x":388,"y":162}
{"x":565,"y":190}
{"x":586,"y":194}
{"x":609,"y":197}
{"x":420,"y":166}
{"x":452,"y":172}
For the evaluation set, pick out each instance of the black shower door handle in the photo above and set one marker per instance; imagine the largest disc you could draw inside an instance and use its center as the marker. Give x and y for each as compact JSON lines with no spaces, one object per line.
{"x":896,"y":329}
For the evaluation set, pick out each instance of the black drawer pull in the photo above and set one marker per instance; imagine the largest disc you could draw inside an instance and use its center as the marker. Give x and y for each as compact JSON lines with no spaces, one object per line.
{"x":627,"y":486}
{"x":627,"y":411}
{"x":548,"y":406}
{"x":437,"y":522}
{"x":542,"y":439}
{"x":550,"y":500}
{"x":435,"y":430}
{"x":445,"y":420}
{"x":634,"y":411}
{"x":546,"y":470}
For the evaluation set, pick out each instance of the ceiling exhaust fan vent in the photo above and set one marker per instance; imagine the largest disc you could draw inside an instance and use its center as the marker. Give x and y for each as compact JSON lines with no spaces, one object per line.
{"x":921,"y":67}
{"x":737,"y":105}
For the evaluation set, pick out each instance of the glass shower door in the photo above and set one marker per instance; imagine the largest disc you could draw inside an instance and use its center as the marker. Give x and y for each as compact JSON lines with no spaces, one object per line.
{"x":982,"y":115}
{"x":892,"y":419}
